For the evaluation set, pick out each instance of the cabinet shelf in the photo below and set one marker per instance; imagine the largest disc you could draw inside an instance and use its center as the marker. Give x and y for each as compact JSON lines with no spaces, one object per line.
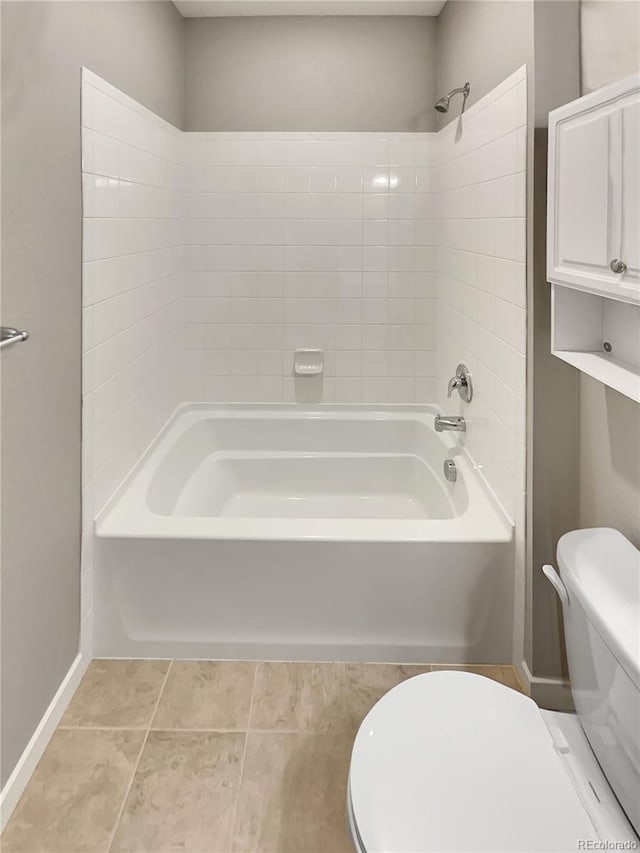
{"x":618,"y":374}
{"x":584,"y":325}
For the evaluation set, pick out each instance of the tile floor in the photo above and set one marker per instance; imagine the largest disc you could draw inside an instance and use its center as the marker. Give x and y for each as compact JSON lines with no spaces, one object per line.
{"x":204,"y":757}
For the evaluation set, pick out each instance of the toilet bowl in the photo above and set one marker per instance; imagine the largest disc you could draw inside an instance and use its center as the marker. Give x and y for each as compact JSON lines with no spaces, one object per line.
{"x":452,"y":761}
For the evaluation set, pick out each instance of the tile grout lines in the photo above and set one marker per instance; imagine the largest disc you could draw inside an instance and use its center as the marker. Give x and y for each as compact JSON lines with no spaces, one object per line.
{"x":503,"y":673}
{"x":246,"y":731}
{"x":137,"y":763}
{"x":234,"y":814}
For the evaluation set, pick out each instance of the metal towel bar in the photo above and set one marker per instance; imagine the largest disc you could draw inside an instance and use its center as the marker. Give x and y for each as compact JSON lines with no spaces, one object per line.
{"x":9,"y":335}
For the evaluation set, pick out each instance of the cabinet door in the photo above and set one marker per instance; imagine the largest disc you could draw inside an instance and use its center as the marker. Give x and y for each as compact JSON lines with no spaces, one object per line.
{"x":594,"y":192}
{"x":630,"y":194}
{"x":583,"y":196}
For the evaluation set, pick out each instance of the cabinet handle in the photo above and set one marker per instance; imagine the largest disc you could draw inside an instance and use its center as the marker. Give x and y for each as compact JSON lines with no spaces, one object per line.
{"x":617,"y":266}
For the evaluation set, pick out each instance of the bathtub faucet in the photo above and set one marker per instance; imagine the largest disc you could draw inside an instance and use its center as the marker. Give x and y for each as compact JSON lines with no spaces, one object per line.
{"x":444,"y":422}
{"x":462,"y":382}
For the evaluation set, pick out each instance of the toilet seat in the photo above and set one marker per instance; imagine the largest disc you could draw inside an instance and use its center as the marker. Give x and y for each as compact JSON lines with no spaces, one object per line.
{"x":454,"y":761}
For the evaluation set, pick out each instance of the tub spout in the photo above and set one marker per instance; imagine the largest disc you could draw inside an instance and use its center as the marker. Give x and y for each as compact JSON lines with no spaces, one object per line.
{"x":444,"y":422}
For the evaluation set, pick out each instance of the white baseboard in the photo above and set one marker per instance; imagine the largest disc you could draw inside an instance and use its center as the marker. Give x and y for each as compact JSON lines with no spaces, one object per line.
{"x":554,"y":694}
{"x":17,"y":782}
{"x":86,"y":636}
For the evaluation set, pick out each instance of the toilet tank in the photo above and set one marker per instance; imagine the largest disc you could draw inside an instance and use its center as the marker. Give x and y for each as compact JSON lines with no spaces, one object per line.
{"x":600,"y":570}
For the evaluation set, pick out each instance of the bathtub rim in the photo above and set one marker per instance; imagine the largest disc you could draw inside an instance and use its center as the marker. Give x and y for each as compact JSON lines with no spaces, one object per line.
{"x":126,"y":514}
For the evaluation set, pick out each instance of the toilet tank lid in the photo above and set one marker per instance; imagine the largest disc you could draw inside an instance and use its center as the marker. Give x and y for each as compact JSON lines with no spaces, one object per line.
{"x":601,"y":568}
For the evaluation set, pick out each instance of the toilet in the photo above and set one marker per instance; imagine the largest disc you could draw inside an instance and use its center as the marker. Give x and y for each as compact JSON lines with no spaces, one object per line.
{"x":451,"y":760}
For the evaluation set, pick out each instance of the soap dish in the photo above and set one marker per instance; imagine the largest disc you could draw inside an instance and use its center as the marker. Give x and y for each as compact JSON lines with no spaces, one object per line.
{"x":308,"y":362}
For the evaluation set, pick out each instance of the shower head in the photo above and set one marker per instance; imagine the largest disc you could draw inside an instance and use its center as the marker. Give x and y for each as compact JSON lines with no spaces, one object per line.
{"x":442,"y":104}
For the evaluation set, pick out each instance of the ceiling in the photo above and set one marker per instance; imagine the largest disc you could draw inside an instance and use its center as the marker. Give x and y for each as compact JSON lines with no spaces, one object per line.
{"x":236,"y":8}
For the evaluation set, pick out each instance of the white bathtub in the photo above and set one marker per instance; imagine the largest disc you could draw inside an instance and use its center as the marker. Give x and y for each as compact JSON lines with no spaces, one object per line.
{"x":279,"y":532}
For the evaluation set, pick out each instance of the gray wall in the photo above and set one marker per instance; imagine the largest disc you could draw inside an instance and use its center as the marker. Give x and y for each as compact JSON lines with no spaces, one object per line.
{"x":610,"y":36}
{"x":609,"y":459}
{"x":306,"y":73}
{"x":482,"y":41}
{"x":137,"y":46}
{"x":609,"y":486}
{"x":553,"y":385}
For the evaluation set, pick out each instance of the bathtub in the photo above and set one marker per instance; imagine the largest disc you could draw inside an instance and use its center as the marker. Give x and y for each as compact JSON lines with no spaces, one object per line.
{"x":303,"y":534}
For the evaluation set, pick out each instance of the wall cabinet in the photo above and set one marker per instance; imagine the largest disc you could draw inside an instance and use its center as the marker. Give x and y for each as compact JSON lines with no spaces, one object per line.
{"x":593,"y":234}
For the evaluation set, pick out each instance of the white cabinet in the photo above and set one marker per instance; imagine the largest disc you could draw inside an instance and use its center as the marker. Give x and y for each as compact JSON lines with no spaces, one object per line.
{"x":629,"y":249}
{"x":593,"y":234}
{"x":594,"y":192}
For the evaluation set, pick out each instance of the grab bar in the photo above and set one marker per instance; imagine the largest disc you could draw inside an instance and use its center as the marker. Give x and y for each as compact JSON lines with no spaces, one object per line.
{"x":9,"y":335}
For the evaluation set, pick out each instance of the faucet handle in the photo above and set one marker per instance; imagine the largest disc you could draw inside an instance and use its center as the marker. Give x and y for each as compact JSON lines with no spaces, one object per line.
{"x":461,"y":381}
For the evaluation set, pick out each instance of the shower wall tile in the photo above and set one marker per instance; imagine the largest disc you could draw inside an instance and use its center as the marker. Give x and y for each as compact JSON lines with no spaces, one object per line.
{"x":208,"y":258}
{"x":310,"y":240}
{"x":481,"y":178}
{"x":132,"y":293}
{"x":481,"y":165}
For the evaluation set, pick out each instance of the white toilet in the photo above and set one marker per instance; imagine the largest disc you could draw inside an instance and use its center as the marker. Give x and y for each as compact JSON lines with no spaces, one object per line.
{"x":454,"y":761}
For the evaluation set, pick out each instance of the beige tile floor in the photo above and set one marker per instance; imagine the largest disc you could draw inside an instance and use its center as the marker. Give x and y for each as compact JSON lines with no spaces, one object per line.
{"x":204,"y":757}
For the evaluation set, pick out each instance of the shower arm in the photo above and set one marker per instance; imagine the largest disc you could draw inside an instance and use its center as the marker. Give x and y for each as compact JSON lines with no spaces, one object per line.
{"x":464,"y":91}
{"x":460,"y":90}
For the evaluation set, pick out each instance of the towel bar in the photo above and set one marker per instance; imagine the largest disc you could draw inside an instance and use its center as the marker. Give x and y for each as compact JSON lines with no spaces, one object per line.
{"x":9,"y":335}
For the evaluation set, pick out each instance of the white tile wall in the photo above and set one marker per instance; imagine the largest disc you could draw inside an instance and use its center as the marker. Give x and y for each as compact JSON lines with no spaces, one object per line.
{"x":209,"y":257}
{"x":310,"y":240}
{"x":132,"y":293}
{"x":481,"y":174}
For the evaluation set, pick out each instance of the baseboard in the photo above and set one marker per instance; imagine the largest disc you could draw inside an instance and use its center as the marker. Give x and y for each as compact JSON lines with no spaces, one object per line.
{"x":17,"y":782}
{"x":86,"y":636}
{"x":554,"y":694}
